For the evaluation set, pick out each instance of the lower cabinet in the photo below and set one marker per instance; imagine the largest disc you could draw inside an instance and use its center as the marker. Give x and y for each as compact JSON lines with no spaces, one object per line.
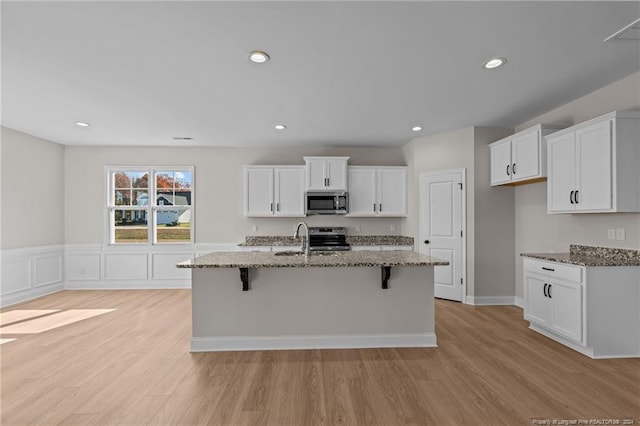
{"x":556,"y":304}
{"x":593,"y":310}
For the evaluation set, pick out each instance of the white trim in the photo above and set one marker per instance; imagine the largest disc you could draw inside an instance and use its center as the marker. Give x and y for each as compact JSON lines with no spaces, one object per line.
{"x":234,"y":343}
{"x":421,"y":225}
{"x":519,"y":302}
{"x":491,"y":300}
{"x":22,"y":268}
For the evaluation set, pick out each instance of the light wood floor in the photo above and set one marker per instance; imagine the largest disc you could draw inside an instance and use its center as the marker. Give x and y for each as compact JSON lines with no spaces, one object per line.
{"x":132,"y":366}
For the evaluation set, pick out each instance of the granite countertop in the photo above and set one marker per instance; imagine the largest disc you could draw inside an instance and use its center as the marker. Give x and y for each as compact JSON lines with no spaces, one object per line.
{"x":354,"y":240}
{"x":591,"y":256}
{"x":335,"y":259}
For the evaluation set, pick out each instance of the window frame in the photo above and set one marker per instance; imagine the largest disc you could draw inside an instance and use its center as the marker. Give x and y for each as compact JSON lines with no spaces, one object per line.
{"x":151,"y":208}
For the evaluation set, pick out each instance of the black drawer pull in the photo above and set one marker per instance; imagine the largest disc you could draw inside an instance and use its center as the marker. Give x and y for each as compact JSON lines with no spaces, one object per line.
{"x":571,"y":197}
{"x":544,"y":290}
{"x":508,"y":165}
{"x":548,"y":269}
{"x":549,"y":291}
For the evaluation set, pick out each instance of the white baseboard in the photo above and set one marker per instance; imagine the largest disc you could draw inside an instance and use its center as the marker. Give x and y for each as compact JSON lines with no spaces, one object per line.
{"x":491,"y":300}
{"x":520,"y":302}
{"x":216,"y":344}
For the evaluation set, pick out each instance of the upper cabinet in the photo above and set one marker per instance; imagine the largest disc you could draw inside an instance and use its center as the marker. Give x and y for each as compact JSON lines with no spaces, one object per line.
{"x":377,"y":191}
{"x":520,"y":157}
{"x":274,"y":191}
{"x":326,"y":173}
{"x":594,"y":167}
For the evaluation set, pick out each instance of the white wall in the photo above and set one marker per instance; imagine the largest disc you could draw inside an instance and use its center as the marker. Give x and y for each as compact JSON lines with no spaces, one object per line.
{"x":218,"y":188}
{"x":536,"y":231}
{"x":32,"y":230}
{"x":32,"y":191}
{"x":490,"y":219}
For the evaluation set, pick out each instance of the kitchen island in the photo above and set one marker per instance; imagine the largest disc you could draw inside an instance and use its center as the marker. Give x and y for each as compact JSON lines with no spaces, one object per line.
{"x":353,"y":299}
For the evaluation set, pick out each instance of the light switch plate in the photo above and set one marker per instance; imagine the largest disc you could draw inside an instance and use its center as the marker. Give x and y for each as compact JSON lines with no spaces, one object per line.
{"x":358,"y":228}
{"x":611,"y":234}
{"x":392,"y":228}
{"x":620,"y":234}
{"x":255,"y":228}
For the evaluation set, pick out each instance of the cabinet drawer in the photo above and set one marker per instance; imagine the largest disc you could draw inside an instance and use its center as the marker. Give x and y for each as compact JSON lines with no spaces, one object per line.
{"x":555,"y":270}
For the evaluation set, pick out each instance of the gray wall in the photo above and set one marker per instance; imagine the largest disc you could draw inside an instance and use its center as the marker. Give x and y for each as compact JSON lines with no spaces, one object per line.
{"x":490,"y":215}
{"x":218,"y":188}
{"x":537,"y":231}
{"x":32,"y":174}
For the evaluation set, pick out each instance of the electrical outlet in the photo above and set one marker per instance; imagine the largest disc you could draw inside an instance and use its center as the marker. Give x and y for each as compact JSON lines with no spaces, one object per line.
{"x":620,"y":234}
{"x":611,"y":234}
{"x":392,"y":228}
{"x":358,"y":228}
{"x":255,"y":228}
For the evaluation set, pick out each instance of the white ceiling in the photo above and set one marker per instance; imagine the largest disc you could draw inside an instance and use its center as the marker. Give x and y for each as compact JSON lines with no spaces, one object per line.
{"x":341,"y":73}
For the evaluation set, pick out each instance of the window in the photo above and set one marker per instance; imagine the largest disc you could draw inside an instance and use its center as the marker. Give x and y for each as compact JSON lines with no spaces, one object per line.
{"x":150,"y":206}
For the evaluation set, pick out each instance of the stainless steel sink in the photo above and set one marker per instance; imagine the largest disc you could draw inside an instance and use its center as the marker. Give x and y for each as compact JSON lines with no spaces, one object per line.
{"x":313,"y":253}
{"x":289,"y":253}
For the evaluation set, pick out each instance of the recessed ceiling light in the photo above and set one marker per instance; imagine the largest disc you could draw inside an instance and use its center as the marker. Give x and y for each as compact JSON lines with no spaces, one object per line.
{"x":416,"y":128}
{"x":258,"y":57}
{"x":280,"y":126}
{"x":494,"y":63}
{"x":182,"y":138}
{"x":82,"y":124}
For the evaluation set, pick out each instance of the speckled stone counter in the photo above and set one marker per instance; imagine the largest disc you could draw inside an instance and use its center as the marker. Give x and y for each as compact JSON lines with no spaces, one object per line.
{"x":337,"y":259}
{"x":591,"y":256}
{"x":354,"y":240}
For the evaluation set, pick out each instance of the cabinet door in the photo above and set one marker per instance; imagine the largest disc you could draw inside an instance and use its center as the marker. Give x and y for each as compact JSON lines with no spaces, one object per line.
{"x":316,"y":175}
{"x":258,"y":192}
{"x":336,"y":174}
{"x":561,"y":169}
{"x":525,"y":156}
{"x":566,"y":308}
{"x":500,"y":162}
{"x":362,"y":192}
{"x":593,"y":153}
{"x":392,"y":192}
{"x":289,"y":191}
{"x":536,"y":302}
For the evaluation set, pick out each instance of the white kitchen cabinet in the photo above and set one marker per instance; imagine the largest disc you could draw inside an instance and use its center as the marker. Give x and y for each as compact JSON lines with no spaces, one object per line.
{"x":377,"y":191}
{"x":520,"y":157}
{"x":326,"y":173}
{"x":593,"y":310}
{"x":274,"y":191}
{"x":554,"y":298}
{"x":593,"y":166}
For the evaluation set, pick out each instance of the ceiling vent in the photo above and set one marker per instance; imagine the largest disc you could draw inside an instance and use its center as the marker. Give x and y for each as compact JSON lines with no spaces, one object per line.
{"x":182,"y":138}
{"x":629,"y":32}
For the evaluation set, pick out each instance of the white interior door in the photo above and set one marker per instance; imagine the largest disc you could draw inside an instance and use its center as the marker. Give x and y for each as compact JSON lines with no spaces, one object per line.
{"x":441,"y":229}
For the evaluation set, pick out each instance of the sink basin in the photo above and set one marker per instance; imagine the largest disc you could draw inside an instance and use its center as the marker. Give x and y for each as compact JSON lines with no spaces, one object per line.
{"x":313,"y":253}
{"x":289,"y":253}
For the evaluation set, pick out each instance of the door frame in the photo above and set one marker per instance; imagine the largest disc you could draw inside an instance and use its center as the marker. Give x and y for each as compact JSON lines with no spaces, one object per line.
{"x":422,"y":225}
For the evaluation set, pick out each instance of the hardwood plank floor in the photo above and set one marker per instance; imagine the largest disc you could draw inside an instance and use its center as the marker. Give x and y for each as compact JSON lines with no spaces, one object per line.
{"x":132,"y":366}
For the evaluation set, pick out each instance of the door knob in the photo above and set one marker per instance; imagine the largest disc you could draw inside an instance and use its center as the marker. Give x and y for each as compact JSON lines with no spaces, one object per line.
{"x":427,"y":241}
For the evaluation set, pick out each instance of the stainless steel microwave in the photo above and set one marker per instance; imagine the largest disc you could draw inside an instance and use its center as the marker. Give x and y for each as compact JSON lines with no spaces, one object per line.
{"x":327,"y":202}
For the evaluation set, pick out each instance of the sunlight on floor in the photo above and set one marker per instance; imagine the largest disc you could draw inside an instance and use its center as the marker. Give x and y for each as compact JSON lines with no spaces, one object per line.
{"x":49,"y":322}
{"x":23,"y":314}
{"x":2,"y":341}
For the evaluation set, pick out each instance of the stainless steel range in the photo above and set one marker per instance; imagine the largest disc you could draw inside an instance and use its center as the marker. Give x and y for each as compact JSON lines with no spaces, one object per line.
{"x":333,"y":238}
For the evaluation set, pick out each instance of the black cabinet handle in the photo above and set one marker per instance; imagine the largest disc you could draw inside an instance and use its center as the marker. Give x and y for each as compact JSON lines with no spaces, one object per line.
{"x":508,"y":165}
{"x":374,"y":207}
{"x":575,"y":197}
{"x":544,"y":290}
{"x":548,"y":269}
{"x":513,"y":168}
{"x":571,"y":197}
{"x":380,"y":209}
{"x":549,"y":291}
{"x":271,"y":206}
{"x":427,"y":241}
{"x":278,"y":207}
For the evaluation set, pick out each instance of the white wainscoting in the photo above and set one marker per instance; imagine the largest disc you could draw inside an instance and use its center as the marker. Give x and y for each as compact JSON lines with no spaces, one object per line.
{"x":94,"y":266}
{"x":31,"y":272}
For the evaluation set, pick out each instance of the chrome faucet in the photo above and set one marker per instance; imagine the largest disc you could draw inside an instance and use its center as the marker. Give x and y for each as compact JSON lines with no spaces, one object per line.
{"x":305,"y":237}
